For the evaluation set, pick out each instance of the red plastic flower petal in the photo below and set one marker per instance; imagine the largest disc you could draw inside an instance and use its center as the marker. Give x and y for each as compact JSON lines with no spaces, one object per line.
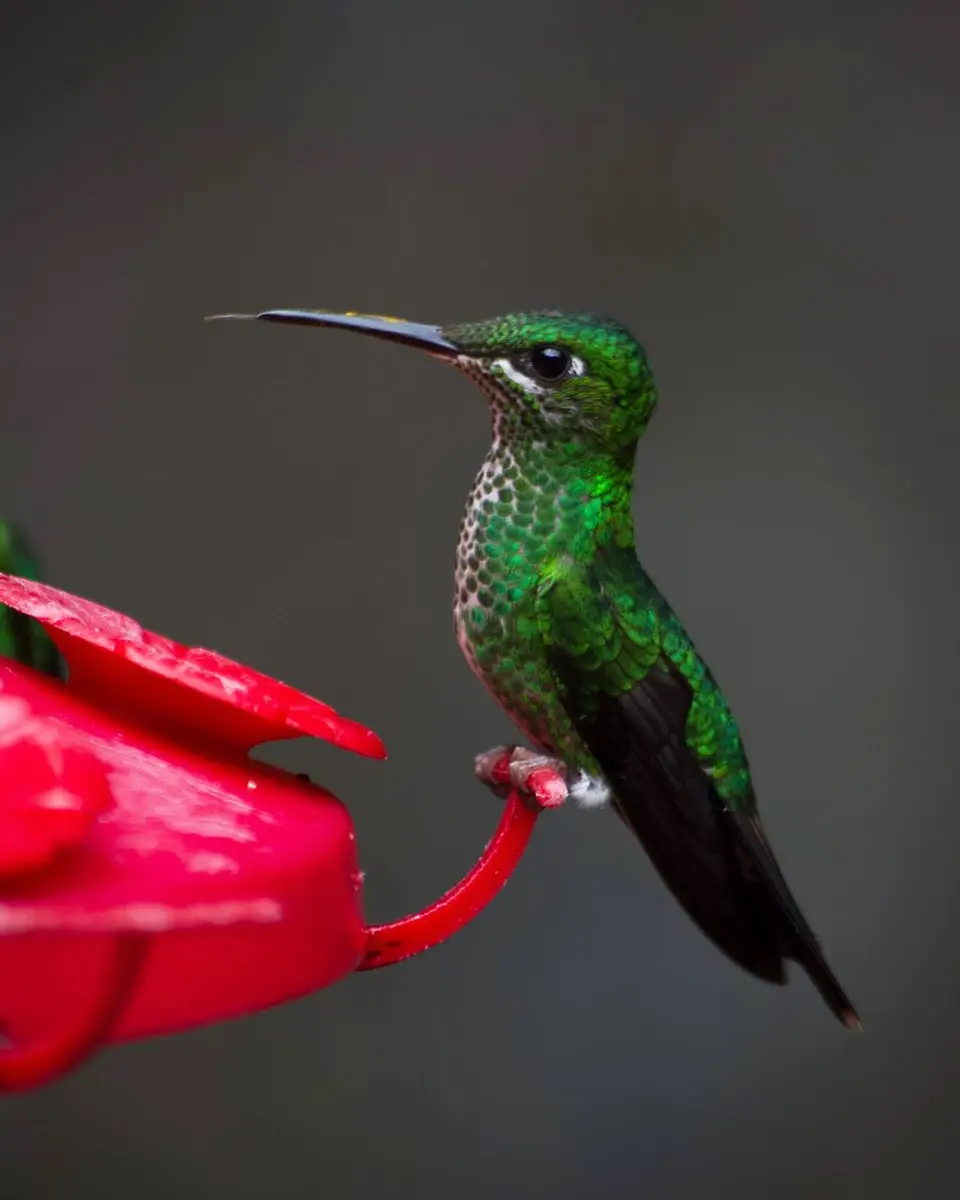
{"x":50,"y":790}
{"x":187,"y":689}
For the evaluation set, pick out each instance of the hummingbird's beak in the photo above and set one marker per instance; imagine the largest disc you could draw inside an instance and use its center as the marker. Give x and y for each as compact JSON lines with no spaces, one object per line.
{"x":394,"y":329}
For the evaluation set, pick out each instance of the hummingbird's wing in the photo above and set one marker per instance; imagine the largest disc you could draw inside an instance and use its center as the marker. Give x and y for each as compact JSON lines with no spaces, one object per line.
{"x":21,"y":637}
{"x":655,"y":721}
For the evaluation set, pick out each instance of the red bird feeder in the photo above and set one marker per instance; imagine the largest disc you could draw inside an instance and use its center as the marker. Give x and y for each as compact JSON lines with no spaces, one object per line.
{"x":154,"y":877}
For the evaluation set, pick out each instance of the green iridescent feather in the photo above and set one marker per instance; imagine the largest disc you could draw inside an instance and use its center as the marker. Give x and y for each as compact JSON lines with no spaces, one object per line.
{"x":21,"y":637}
{"x":609,"y":628}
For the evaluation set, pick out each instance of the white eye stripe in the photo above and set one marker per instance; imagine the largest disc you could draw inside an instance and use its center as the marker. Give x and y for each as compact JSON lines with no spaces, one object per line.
{"x":515,"y":375}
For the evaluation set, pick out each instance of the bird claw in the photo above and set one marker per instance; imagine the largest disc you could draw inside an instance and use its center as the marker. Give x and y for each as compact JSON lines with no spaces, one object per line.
{"x":536,"y":777}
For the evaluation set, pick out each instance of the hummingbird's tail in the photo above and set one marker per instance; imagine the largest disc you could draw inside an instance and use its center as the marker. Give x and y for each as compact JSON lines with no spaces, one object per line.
{"x":797,"y":939}
{"x":720,"y":867}
{"x":21,"y":637}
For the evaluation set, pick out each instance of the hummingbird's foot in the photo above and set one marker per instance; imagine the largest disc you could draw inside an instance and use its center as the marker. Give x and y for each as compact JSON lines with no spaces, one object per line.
{"x":541,"y":779}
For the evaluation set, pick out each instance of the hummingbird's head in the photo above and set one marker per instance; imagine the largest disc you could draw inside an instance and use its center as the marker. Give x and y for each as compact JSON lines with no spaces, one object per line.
{"x":568,"y":377}
{"x":556,"y":378}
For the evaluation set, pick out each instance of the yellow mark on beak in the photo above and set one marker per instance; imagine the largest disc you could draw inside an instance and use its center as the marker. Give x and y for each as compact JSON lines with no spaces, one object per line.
{"x":379,"y":317}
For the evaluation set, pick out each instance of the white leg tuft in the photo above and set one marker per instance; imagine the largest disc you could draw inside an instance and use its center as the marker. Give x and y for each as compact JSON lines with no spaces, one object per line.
{"x":590,"y":792}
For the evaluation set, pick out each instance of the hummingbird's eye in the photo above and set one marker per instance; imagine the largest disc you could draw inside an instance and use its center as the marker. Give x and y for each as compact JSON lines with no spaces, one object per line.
{"x":549,"y":363}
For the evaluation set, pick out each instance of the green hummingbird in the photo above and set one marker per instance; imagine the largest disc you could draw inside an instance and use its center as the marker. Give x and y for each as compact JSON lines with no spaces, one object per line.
{"x":555,"y":614}
{"x":21,"y":637}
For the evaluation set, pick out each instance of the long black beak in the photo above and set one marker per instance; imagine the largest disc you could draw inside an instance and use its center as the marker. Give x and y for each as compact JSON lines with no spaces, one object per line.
{"x":424,"y":337}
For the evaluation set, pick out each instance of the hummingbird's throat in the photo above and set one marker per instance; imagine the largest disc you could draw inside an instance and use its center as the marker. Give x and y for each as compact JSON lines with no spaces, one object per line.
{"x":526,"y":507}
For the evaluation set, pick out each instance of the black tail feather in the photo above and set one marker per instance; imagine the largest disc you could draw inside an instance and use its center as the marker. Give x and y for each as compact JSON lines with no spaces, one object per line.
{"x":717,"y":862}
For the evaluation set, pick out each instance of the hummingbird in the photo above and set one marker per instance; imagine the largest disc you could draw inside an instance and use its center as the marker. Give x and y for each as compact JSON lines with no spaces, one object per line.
{"x":555,"y":614}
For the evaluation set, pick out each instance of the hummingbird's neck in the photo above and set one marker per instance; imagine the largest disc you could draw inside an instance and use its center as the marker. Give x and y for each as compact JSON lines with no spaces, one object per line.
{"x":532,"y":502}
{"x":534,"y":499}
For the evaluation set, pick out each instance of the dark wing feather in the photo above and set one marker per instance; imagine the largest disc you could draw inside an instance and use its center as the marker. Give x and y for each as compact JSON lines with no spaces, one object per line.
{"x":669,"y":803}
{"x":630,"y":706}
{"x":717,"y":862}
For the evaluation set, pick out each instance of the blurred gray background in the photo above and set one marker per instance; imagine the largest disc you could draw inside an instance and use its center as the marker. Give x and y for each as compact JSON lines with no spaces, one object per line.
{"x":768,"y":196}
